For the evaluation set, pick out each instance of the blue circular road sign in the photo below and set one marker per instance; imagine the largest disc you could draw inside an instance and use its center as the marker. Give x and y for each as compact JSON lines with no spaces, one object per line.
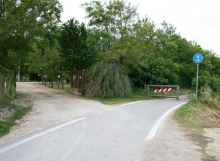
{"x":198,"y":58}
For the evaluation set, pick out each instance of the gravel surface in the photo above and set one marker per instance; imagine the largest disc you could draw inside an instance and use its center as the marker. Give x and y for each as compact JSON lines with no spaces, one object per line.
{"x":50,"y":107}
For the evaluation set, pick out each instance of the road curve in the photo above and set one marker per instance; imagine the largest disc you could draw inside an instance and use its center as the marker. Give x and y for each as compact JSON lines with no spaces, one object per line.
{"x":118,"y":134}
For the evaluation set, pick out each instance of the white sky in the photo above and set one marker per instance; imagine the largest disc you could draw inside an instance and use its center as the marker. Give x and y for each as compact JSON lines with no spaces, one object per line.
{"x":195,"y":20}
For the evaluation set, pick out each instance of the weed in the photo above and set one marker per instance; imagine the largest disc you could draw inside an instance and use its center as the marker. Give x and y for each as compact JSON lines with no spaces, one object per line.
{"x":207,"y":98}
{"x":18,"y":113}
{"x":192,"y":97}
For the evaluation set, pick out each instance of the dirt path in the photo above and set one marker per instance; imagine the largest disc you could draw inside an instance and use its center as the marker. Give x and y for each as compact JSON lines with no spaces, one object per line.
{"x":50,"y":107}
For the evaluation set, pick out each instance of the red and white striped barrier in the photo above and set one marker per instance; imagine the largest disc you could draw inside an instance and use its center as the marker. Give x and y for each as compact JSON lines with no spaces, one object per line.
{"x":163,"y":90}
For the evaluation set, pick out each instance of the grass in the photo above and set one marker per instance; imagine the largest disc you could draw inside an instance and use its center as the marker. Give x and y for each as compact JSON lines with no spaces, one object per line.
{"x":57,"y":86}
{"x":137,"y":95}
{"x":184,"y":91}
{"x":18,"y":113}
{"x":189,"y":115}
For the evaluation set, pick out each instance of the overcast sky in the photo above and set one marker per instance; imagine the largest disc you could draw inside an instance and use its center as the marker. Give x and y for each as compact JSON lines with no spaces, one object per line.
{"x":195,"y":20}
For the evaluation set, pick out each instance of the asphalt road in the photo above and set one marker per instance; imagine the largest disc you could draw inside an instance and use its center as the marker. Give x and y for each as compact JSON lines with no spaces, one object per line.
{"x":117,"y":134}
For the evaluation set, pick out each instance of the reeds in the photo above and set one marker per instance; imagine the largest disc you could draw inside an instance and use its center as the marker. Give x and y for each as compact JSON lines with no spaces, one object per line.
{"x":107,"y":80}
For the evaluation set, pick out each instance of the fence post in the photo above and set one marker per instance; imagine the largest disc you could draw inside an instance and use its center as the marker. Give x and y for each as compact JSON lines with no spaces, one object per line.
{"x":2,"y":85}
{"x":145,"y":89}
{"x":62,"y":79}
{"x":178,"y":93}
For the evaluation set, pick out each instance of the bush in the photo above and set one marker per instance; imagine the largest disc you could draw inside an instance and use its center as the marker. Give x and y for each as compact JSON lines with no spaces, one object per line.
{"x":192,"y":97}
{"x":107,"y":80}
{"x":213,"y":81}
{"x":207,"y":97}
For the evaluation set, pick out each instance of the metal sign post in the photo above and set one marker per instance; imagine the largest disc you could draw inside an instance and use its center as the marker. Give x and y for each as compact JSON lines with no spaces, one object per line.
{"x":197,"y":58}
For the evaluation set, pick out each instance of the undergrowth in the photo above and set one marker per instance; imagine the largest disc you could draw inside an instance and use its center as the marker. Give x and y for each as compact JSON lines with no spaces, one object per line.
{"x":209,"y":98}
{"x":18,"y":113}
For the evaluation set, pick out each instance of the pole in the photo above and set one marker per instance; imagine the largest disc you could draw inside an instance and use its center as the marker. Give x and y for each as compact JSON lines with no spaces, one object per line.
{"x":19,"y":79}
{"x":145,"y":89}
{"x":197,"y":75}
{"x":62,"y":78}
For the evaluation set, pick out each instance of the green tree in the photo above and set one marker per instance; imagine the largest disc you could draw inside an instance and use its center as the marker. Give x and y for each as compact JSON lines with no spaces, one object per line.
{"x":44,"y":60}
{"x":22,"y":21}
{"x":76,"y":53}
{"x":112,"y":21}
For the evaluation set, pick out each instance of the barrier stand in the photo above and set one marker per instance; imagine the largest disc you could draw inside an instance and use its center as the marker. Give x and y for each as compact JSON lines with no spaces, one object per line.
{"x":164,"y":91}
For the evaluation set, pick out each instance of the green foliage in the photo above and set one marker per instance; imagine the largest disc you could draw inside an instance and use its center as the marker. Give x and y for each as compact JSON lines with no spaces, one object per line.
{"x":21,"y":22}
{"x":73,"y":42}
{"x":111,"y":19}
{"x":192,"y":97}
{"x":11,"y":86}
{"x":158,"y":70}
{"x":150,"y":55}
{"x":30,"y":39}
{"x":3,"y":70}
{"x":107,"y":80}
{"x":207,"y":97}
{"x":213,"y":81}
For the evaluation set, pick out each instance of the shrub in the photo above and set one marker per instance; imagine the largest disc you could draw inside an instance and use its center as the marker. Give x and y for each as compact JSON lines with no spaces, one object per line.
{"x":213,"y":81}
{"x":107,"y":80}
{"x":207,"y":97}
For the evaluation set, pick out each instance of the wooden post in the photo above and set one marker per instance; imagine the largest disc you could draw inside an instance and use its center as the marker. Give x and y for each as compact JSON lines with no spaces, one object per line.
{"x":62,"y":78}
{"x":145,"y":89}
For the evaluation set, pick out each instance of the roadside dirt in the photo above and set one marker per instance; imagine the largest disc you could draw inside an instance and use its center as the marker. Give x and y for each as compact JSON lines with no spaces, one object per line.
{"x":172,"y":144}
{"x":213,"y":148}
{"x":5,"y":113}
{"x":50,"y":107}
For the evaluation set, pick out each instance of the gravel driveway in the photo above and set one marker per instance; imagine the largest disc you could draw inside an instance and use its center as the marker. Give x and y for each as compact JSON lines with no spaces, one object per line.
{"x":50,"y":107}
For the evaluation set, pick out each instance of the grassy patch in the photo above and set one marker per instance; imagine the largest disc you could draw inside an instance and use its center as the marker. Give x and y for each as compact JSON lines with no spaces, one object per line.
{"x":184,"y":91}
{"x":195,"y":117}
{"x":137,"y":95}
{"x":189,"y":115}
{"x":18,"y":113}
{"x":58,"y":86}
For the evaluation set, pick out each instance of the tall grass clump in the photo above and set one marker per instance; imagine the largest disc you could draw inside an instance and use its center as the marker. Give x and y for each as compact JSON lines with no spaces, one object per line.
{"x":107,"y":80}
{"x":206,"y":97}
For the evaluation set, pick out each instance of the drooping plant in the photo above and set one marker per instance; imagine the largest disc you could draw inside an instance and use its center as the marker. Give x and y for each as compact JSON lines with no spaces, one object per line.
{"x":107,"y":80}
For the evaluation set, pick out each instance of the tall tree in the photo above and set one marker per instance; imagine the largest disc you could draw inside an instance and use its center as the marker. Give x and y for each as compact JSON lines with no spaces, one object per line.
{"x":21,"y":21}
{"x":73,"y":46}
{"x":111,"y":20}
